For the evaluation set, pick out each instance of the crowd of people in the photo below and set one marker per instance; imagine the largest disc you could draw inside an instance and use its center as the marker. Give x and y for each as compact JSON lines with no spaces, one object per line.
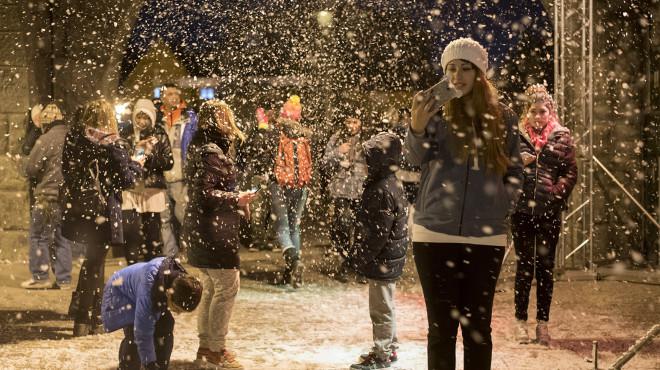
{"x":452,"y":178}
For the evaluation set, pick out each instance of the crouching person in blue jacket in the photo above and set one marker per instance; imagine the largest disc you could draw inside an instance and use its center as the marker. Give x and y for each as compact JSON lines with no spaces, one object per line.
{"x":382,"y":240}
{"x":139,"y":299}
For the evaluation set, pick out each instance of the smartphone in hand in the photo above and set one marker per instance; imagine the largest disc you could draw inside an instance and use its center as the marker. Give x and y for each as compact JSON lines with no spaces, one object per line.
{"x":443,"y":91}
{"x":139,"y":154}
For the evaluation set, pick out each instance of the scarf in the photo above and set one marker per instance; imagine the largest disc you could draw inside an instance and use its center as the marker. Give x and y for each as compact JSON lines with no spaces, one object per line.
{"x":172,"y":115}
{"x":540,"y":137}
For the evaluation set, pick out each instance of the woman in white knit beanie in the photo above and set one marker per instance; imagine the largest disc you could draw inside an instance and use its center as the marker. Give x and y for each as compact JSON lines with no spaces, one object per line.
{"x":466,"y":143}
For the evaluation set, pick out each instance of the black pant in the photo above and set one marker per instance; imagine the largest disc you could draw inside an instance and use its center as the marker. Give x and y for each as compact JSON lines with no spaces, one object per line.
{"x":129,"y":358}
{"x":142,"y":235}
{"x":343,"y":225}
{"x":535,"y":239}
{"x":458,"y":281}
{"x":89,"y":290}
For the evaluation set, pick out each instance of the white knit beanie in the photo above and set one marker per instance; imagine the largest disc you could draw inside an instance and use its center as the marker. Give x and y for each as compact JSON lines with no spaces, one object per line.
{"x":466,"y":49}
{"x":145,"y":106}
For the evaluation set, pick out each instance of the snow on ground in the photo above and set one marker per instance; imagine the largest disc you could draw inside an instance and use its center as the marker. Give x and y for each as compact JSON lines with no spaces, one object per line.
{"x":325,"y":325}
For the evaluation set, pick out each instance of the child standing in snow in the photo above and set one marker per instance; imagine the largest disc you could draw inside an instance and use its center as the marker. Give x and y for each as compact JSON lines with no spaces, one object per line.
{"x":382,"y":240}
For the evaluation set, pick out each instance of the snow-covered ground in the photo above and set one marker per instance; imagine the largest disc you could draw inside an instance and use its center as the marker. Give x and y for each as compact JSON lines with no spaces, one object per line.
{"x":325,"y":325}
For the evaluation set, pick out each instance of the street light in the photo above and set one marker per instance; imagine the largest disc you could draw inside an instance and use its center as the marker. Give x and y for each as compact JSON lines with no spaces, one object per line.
{"x":324,"y":18}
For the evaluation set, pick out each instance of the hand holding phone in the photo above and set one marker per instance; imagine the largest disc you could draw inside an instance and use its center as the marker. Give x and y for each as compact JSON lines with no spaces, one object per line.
{"x":139,"y":154}
{"x":444,"y":91}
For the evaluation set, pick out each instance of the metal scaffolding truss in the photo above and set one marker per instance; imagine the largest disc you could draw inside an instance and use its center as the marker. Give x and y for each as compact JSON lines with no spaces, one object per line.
{"x":574,"y":87}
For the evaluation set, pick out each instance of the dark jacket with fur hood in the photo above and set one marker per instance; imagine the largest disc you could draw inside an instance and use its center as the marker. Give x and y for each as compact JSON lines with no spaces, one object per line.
{"x":549,"y":180}
{"x":159,"y":160}
{"x":94,"y":177}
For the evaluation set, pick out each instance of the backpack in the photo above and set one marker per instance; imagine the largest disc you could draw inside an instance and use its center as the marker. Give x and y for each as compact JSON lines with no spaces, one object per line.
{"x":293,"y":164}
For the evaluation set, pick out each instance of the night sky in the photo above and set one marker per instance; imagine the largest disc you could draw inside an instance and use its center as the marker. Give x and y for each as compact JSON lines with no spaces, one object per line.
{"x":256,"y":38}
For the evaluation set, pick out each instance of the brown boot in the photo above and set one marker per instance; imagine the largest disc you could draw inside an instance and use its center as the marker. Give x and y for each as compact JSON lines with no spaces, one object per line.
{"x":222,"y":360}
{"x":81,"y":330}
{"x":202,"y":356}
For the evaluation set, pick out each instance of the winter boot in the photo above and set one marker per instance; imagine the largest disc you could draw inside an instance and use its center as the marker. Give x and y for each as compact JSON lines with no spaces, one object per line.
{"x":371,"y":361}
{"x":521,"y":334}
{"x":81,"y":329}
{"x":393,"y":356}
{"x":342,"y":274}
{"x":221,"y":360}
{"x":542,"y":333}
{"x":202,"y":357}
{"x":290,"y":264}
{"x":297,"y":269}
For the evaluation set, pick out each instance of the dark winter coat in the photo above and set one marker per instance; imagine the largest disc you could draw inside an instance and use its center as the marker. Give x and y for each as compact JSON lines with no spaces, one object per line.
{"x":256,"y":155}
{"x":135,"y":296}
{"x":211,"y":220}
{"x":92,"y":209}
{"x":382,"y":240}
{"x":550,"y":179}
{"x":44,"y":164}
{"x":457,"y":198}
{"x":159,"y":160}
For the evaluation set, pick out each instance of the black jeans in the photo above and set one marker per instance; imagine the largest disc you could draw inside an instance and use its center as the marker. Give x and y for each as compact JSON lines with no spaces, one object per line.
{"x":535,"y":239}
{"x":129,"y":358}
{"x":89,"y":291}
{"x":342,"y":231}
{"x":142,"y":235}
{"x":458,"y":281}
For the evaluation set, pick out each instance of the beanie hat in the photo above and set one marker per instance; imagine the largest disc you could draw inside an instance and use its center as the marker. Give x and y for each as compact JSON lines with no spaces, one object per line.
{"x":538,"y":92}
{"x":292,"y":108}
{"x":49,"y":114}
{"x":147,"y":107}
{"x":466,"y":49}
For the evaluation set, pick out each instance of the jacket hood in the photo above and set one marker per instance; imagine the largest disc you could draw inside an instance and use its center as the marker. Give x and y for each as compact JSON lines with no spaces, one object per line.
{"x":147,"y":107}
{"x":383,"y":154}
{"x":47,"y":127}
{"x":169,"y":270}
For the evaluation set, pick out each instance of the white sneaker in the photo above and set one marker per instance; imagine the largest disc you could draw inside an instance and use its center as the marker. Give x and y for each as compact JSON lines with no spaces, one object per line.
{"x":36,"y":284}
{"x":522,"y":336}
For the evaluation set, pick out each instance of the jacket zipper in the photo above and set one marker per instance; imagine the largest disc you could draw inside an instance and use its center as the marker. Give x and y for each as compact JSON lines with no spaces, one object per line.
{"x":536,"y":179}
{"x":467,"y":175}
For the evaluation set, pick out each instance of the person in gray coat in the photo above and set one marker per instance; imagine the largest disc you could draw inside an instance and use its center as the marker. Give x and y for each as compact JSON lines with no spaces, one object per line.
{"x":346,"y":168}
{"x":467,"y":145}
{"x":44,"y":168}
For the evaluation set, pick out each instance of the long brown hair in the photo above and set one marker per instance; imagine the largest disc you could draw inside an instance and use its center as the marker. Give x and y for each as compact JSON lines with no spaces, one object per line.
{"x":486,"y":109}
{"x":213,"y":110}
{"x":98,"y":114}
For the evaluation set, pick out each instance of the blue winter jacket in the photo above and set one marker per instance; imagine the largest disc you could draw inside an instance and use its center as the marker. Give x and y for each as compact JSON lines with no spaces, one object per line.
{"x":461,"y":198}
{"x":129,"y":299}
{"x":188,"y":133}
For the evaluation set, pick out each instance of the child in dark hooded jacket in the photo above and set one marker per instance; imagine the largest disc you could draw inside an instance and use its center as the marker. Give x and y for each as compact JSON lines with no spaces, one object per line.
{"x":382,"y":240}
